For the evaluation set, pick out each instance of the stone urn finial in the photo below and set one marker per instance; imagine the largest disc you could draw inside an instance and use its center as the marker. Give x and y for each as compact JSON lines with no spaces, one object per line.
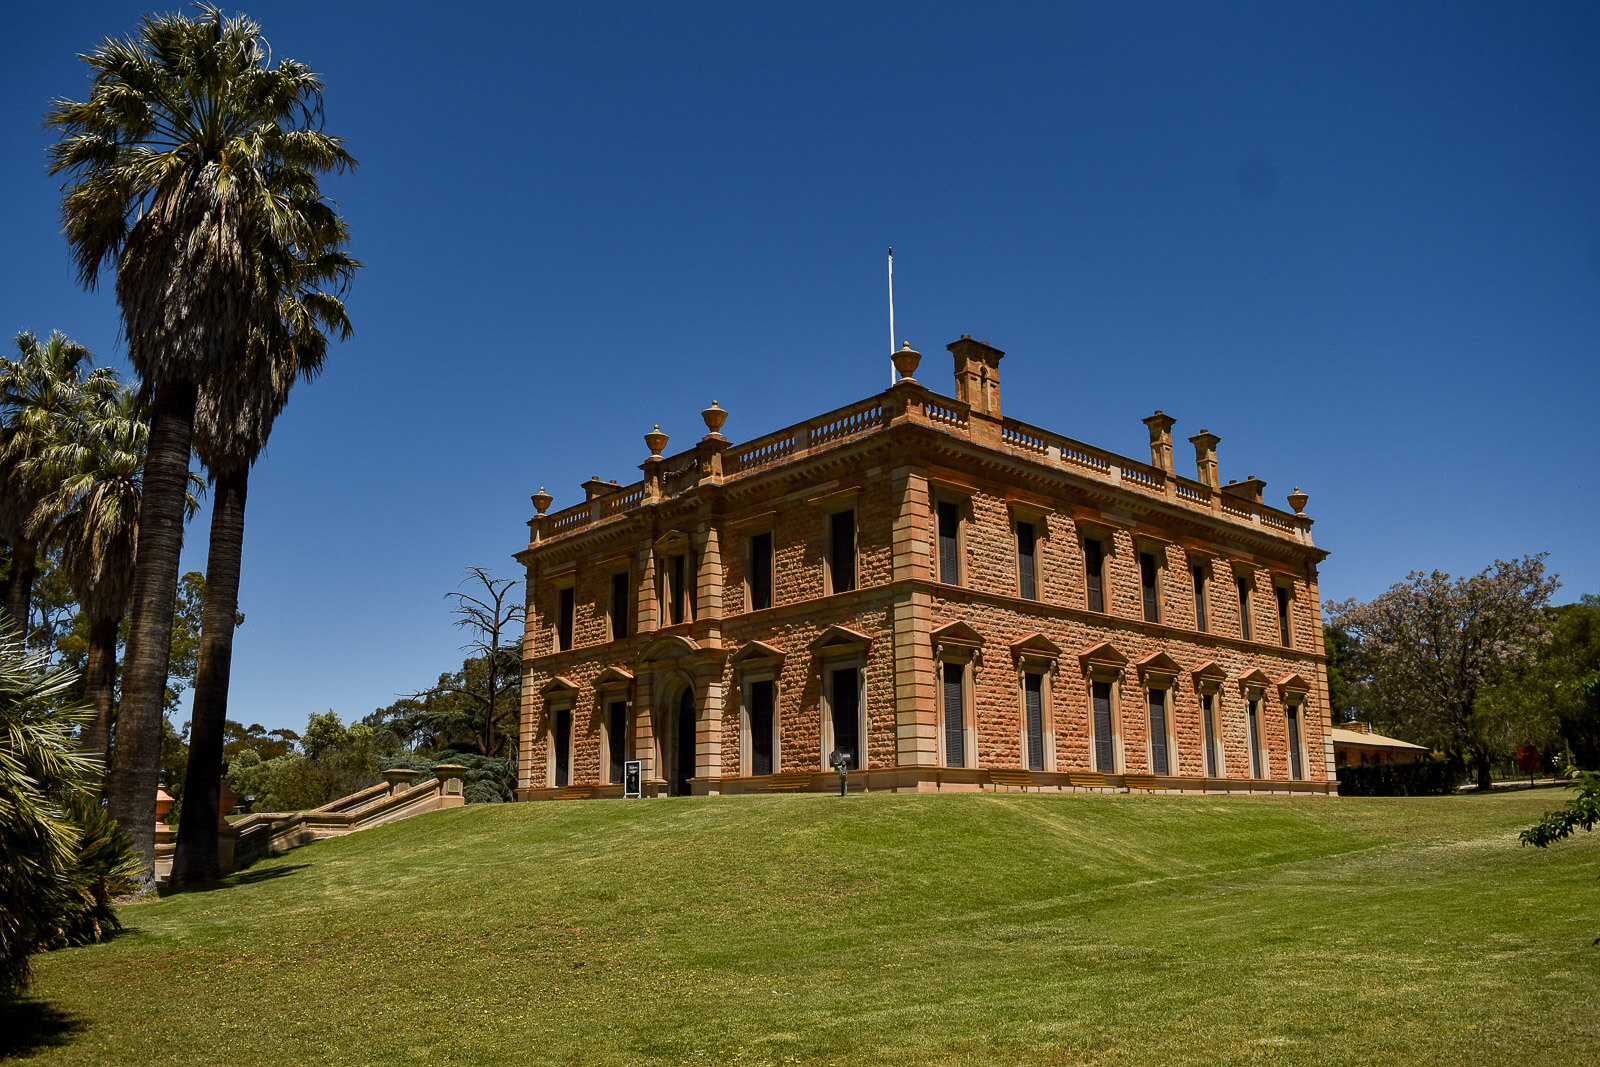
{"x":906,"y":361}
{"x":163,"y":804}
{"x":541,"y":501}
{"x":655,"y":441}
{"x":714,"y":417}
{"x":1297,"y":500}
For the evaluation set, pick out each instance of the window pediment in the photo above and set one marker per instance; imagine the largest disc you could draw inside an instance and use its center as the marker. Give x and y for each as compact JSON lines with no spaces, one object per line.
{"x":668,"y":646}
{"x":613,"y":678}
{"x":1209,"y":676}
{"x":839,"y":639}
{"x":958,"y":633}
{"x":758,"y":652}
{"x":558,"y":687}
{"x":1158,"y":667}
{"x":1103,"y":657}
{"x":1035,"y":647}
{"x":671,"y":543}
{"x":1255,"y":680}
{"x":1293,"y":686}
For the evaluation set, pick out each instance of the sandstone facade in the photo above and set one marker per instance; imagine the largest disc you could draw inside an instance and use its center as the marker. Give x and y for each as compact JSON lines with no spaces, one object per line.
{"x":953,"y":598}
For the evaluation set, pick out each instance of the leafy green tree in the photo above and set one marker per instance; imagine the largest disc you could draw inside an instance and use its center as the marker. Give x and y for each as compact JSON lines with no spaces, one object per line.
{"x":337,"y":761}
{"x":169,"y":169}
{"x":1343,"y":662}
{"x":1433,"y":646}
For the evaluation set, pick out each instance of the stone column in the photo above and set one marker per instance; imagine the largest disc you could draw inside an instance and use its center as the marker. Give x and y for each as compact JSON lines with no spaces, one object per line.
{"x":450,"y":784}
{"x":399,"y":779}
{"x":916,"y":728}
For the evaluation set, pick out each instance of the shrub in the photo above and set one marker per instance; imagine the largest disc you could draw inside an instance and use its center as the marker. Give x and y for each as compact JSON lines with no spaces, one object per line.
{"x":1425,"y":778}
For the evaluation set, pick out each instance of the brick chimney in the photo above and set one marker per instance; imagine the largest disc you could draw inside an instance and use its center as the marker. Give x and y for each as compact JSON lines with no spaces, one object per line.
{"x":1160,"y":440}
{"x":1205,"y":458}
{"x":594,"y":487}
{"x":1249,"y":489}
{"x":977,"y":375}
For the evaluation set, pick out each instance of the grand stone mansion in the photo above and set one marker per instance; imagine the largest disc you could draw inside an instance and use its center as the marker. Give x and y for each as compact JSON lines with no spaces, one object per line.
{"x":949,"y":597}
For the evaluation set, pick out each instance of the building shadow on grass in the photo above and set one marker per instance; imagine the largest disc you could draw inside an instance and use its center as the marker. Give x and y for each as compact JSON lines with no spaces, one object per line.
{"x":28,"y":1025}
{"x":244,"y":878}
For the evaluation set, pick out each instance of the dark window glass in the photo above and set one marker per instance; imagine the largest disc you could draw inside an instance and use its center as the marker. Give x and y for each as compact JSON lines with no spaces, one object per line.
{"x":1027,"y":568}
{"x":1294,"y":743}
{"x":1253,"y":718}
{"x":761,"y":571}
{"x":1033,"y":698}
{"x":680,"y":567}
{"x":621,"y":606}
{"x":1283,"y":614}
{"x":1200,"y":599}
{"x":563,"y":747}
{"x":616,"y":739}
{"x":1147,"y":585}
{"x":1210,"y":723}
{"x":949,"y":545}
{"x":761,"y":694}
{"x":846,"y":711}
{"x":1244,"y":607}
{"x":564,"y":616}
{"x":842,"y":551}
{"x":954,"y":733}
{"x":1094,"y":572}
{"x":1104,"y":750}
{"x":1158,"y":731}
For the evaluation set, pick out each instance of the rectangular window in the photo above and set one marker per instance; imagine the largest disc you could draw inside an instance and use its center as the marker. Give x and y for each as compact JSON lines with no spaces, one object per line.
{"x":1150,"y":586}
{"x":1027,"y":566}
{"x":1158,"y":731}
{"x":1033,"y":701}
{"x":616,"y":739}
{"x":563,"y":740}
{"x":949,"y":543}
{"x":1295,"y":770}
{"x":1283,"y":615}
{"x":760,"y":567}
{"x":565,"y":611}
{"x":761,"y":706}
{"x":1253,"y":718}
{"x":1200,"y":599}
{"x":842,"y":551}
{"x":1104,"y":748}
{"x":1243,"y":585}
{"x":846,"y":701}
{"x":1209,"y":719}
{"x":955,"y":734}
{"x":621,"y":605}
{"x":1094,"y":573}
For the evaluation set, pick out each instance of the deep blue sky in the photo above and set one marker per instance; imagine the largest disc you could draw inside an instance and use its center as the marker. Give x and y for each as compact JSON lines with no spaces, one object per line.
{"x":1361,"y":243}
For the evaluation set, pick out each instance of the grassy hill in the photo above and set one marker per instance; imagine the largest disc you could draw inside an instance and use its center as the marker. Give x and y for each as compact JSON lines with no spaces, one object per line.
{"x":898,"y":929}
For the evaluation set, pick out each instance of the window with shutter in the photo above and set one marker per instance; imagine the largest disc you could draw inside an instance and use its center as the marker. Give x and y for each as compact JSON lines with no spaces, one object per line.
{"x":1158,"y":731}
{"x":1200,"y":599}
{"x":949,"y":542}
{"x":1283,"y":615}
{"x":1027,"y":568}
{"x":954,"y":726}
{"x":1094,"y":567}
{"x":621,"y":606}
{"x":1033,"y":699}
{"x":842,"y":551}
{"x":761,"y":702}
{"x":1295,"y":771}
{"x":1104,"y":750}
{"x":565,"y":612}
{"x":1254,"y":719}
{"x":1149,"y":586}
{"x":846,"y":709}
{"x":616,"y":739}
{"x":1209,"y":720}
{"x":679,"y":571}
{"x":761,"y":571}
{"x":563,"y":744}
{"x":1243,"y":585}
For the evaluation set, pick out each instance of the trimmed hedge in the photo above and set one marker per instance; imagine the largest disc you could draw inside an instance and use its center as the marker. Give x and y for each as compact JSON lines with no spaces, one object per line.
{"x":1426,"y":778}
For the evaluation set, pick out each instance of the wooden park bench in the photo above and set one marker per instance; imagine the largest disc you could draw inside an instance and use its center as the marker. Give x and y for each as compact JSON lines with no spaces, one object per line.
{"x":787,"y":782}
{"x":1086,"y":779}
{"x":575,"y":792}
{"x":1011,"y":779}
{"x":1140,"y":781}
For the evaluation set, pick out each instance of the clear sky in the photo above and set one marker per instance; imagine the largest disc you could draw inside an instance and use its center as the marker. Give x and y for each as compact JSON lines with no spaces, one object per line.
{"x":1359,"y":242}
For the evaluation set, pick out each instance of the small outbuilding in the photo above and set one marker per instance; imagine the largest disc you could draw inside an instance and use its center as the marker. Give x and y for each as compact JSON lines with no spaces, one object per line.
{"x":1355,"y":745}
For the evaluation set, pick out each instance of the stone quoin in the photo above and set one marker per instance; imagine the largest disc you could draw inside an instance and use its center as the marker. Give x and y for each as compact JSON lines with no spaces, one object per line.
{"x":952,"y":598}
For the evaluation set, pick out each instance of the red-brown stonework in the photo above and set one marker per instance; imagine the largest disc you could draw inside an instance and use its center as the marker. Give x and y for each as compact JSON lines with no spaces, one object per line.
{"x":892,"y":460}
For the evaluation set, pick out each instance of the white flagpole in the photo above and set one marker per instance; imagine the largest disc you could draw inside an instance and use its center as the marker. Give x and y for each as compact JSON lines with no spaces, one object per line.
{"x":891,"y":315}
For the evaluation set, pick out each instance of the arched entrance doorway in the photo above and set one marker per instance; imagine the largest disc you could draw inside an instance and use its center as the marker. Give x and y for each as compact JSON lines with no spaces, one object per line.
{"x":681,"y":765}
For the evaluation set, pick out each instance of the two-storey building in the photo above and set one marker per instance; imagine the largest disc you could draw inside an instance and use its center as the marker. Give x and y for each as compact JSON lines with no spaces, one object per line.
{"x":952,"y":598}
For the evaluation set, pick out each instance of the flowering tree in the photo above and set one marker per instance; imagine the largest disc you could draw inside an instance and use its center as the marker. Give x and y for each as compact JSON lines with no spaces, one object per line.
{"x":1432,"y":644}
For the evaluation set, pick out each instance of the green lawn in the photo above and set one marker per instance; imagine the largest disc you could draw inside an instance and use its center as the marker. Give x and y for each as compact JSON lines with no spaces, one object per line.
{"x":878,"y":929}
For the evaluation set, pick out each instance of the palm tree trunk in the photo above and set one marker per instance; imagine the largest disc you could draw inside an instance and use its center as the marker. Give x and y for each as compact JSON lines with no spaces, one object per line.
{"x":100,"y":686}
{"x":196,"y":859}
{"x":19,"y":595}
{"x":136,"y":759}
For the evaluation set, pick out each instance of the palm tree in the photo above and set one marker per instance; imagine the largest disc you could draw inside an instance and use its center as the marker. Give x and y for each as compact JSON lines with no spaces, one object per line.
{"x":93,"y":514}
{"x":233,"y":419}
{"x":40,"y":393}
{"x":167,"y":164}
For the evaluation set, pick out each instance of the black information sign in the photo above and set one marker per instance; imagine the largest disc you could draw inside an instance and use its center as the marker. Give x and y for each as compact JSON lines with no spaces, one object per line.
{"x":632,"y":773}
